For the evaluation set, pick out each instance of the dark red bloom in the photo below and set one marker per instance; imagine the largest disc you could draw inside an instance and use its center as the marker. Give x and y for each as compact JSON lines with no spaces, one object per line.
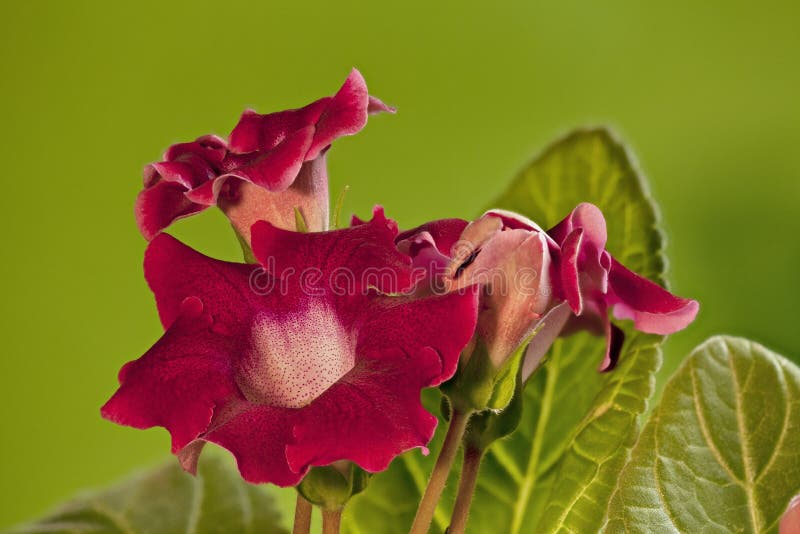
{"x":301,"y":361}
{"x":271,"y":165}
{"x":572,"y":268}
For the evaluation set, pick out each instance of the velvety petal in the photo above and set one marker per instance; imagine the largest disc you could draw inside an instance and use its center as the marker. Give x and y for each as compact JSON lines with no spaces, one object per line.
{"x":160,"y":205}
{"x":369,"y":417}
{"x":343,"y":261}
{"x":444,"y":234}
{"x":652,"y":308}
{"x":345,"y":113}
{"x":179,"y":381}
{"x":257,"y":436}
{"x":175,"y":271}
{"x":275,"y":169}
{"x":374,"y":412}
{"x":569,"y":271}
{"x":249,"y":203}
{"x":444,"y":322}
{"x":189,"y":164}
{"x":262,"y":133}
{"x":430,"y":247}
{"x":589,"y":218}
{"x":591,"y":257}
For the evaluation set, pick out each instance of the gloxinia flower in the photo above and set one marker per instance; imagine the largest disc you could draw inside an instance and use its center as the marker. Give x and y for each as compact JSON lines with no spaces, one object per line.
{"x":302,"y":361}
{"x":592,"y":281}
{"x":533,"y":279}
{"x":270,"y":165}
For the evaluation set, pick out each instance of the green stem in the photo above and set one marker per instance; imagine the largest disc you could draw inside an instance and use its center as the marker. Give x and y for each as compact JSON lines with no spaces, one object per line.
{"x":302,"y":516}
{"x":466,"y":489}
{"x":427,"y":506}
{"x":331,"y":520}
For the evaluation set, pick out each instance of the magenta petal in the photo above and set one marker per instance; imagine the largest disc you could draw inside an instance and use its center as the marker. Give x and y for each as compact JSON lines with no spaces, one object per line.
{"x":652,"y":308}
{"x":345,"y":114}
{"x":257,"y":436}
{"x":160,"y":205}
{"x":276,"y":169}
{"x":569,"y":272}
{"x":444,"y":233}
{"x":175,"y":271}
{"x":178,"y":382}
{"x":346,"y":260}
{"x":262,"y":133}
{"x":377,"y":106}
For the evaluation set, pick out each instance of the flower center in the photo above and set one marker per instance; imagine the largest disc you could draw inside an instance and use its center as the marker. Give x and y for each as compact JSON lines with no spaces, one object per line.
{"x":295,"y":358}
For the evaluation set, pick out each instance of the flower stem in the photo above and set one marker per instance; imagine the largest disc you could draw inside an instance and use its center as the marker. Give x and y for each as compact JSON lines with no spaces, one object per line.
{"x":302,"y":516}
{"x":466,"y":489}
{"x":427,"y":506}
{"x":331,"y":520}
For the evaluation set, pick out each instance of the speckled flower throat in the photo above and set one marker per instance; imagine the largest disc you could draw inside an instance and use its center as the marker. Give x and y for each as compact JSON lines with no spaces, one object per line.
{"x":295,"y":358}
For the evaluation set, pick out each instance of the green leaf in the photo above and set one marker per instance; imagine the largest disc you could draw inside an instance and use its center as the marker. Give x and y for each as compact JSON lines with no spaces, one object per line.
{"x":558,"y":470}
{"x":721,"y":451}
{"x":167,"y":500}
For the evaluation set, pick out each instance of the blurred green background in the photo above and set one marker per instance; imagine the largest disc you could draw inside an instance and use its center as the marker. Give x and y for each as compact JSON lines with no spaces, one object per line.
{"x":706,"y":93}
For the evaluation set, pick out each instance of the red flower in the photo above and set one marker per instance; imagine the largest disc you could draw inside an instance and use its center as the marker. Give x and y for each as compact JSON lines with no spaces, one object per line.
{"x":570,"y":269}
{"x":277,"y":162}
{"x":304,"y":361}
{"x":592,"y":281}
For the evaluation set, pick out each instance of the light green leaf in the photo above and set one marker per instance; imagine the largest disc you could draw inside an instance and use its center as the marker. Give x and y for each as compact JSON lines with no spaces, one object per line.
{"x":558,"y":470}
{"x":721,"y":451}
{"x":167,"y":500}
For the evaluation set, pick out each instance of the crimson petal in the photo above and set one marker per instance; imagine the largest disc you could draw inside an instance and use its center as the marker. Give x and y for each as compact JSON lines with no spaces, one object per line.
{"x":175,"y":271}
{"x":374,"y":413}
{"x":178,"y":382}
{"x":346,"y":260}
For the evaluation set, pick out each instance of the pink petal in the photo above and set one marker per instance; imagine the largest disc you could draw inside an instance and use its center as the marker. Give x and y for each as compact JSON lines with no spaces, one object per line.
{"x":550,"y":327}
{"x":346,"y":260}
{"x":175,"y":271}
{"x":569,"y":271}
{"x":652,"y":308}
{"x":178,"y":382}
{"x":513,"y":268}
{"x":160,"y":205}
{"x":589,"y":218}
{"x":377,"y":106}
